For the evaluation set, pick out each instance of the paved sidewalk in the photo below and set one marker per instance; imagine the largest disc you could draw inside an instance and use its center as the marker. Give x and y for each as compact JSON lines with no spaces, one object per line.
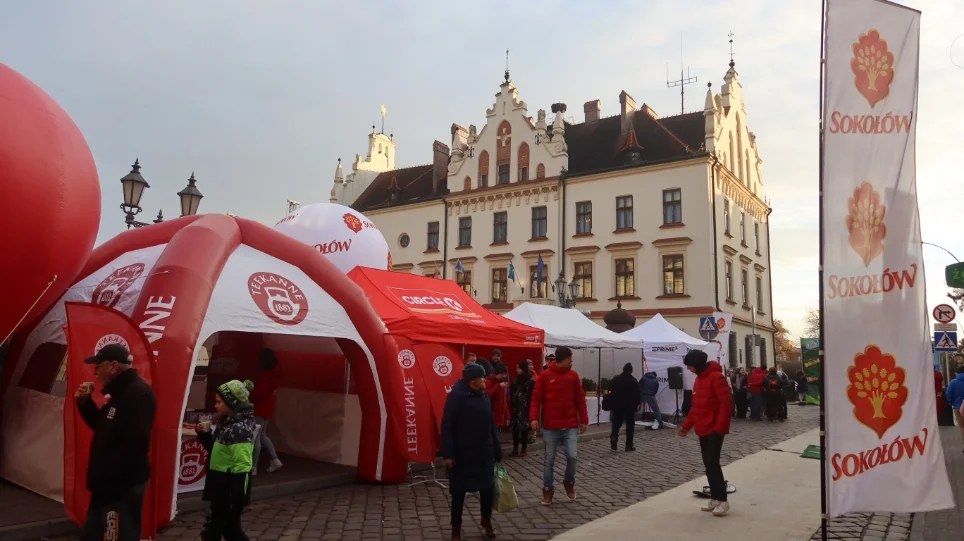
{"x":946,"y":525}
{"x":607,"y":482}
{"x":775,"y":482}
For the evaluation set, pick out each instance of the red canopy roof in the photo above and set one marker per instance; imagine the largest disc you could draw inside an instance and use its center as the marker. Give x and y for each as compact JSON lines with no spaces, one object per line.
{"x":431,"y":310}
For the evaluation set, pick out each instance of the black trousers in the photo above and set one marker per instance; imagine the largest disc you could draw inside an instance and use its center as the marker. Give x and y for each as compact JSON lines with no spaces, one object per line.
{"x":739,"y":398}
{"x":224,"y":521}
{"x":619,"y":417}
{"x":520,"y":436}
{"x":711,"y":447}
{"x":115,"y":519}
{"x":485,"y":500}
{"x":773,"y":406}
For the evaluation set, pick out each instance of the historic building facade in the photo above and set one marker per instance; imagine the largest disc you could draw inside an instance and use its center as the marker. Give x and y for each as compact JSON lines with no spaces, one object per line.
{"x":657,"y":214}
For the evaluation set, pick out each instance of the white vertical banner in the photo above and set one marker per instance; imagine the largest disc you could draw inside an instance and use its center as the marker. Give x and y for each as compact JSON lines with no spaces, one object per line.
{"x":724,"y":323}
{"x":883,"y":447}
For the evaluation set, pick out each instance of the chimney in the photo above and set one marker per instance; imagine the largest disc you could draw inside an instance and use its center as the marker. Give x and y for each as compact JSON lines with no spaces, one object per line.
{"x":592,"y":109}
{"x":649,"y":111}
{"x":627,"y":106}
{"x":440,"y":166}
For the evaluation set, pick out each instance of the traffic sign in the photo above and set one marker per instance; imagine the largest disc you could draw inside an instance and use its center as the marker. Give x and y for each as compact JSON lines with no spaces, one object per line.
{"x":942,"y":327}
{"x":944,"y":313}
{"x":945,"y":341}
{"x":708,"y":328}
{"x":954,"y":275}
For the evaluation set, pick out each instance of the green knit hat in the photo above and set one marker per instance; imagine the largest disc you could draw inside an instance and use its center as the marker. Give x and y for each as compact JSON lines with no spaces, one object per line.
{"x":234,"y":392}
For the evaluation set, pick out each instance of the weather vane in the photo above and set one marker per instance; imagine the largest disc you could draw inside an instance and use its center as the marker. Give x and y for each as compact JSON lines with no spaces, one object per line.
{"x":732,"y":63}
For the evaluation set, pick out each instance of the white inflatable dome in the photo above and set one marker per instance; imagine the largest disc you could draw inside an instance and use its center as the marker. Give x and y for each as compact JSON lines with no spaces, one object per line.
{"x":345,"y":236}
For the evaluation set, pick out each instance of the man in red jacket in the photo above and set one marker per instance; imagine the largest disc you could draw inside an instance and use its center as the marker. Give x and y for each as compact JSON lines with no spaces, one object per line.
{"x":710,"y":416}
{"x":560,"y":401}
{"x":755,"y":384}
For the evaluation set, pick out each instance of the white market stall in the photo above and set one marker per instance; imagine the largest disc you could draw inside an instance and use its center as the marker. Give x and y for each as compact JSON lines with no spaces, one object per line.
{"x":665,"y":346}
{"x":569,"y":327}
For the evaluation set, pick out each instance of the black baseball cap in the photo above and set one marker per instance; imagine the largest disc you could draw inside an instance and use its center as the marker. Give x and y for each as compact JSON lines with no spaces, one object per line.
{"x":111,"y":353}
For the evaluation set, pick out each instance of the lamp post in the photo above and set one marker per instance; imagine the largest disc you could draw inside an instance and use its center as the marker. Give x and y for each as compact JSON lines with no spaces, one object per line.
{"x":134,"y":185}
{"x":568,"y":293}
{"x":190,"y":197}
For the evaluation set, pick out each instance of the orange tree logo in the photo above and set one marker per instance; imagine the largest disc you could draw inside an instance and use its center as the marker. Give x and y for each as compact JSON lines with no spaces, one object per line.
{"x":876,"y":389}
{"x":352,"y":222}
{"x":873,"y":67}
{"x":865,"y":222}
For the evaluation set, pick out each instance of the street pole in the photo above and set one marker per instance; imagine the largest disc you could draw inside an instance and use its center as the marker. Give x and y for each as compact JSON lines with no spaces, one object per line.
{"x":753,"y":336}
{"x":824,"y":508}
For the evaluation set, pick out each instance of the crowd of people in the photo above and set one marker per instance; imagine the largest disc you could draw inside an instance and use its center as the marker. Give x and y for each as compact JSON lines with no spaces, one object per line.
{"x":764,"y":392}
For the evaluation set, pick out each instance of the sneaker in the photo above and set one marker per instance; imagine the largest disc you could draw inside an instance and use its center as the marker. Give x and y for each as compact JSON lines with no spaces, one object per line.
{"x":613,"y":444}
{"x":713,"y":504}
{"x":523,"y":454}
{"x":630,"y":448}
{"x":654,"y":426}
{"x":254,"y":471}
{"x":721,"y":509}
{"x":274,"y":466}
{"x":570,"y":491}
{"x":547,"y":496}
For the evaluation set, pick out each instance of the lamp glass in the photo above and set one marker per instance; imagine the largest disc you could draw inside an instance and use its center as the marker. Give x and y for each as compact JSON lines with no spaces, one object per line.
{"x":133,"y":190}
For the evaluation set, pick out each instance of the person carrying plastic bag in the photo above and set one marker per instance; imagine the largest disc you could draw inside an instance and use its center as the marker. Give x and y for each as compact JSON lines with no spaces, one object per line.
{"x":506,"y":498}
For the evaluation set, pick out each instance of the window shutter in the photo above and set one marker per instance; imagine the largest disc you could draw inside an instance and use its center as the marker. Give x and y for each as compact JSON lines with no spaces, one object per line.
{"x":733,"y":353}
{"x":748,"y":346}
{"x":763,"y":352}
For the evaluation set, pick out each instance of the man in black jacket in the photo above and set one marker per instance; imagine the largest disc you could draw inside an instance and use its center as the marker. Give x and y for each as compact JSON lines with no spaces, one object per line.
{"x":118,"y":467}
{"x":623,"y":400}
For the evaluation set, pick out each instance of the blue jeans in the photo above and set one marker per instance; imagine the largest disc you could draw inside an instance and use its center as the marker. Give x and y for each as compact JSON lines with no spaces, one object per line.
{"x":567,"y":437}
{"x":654,"y":407}
{"x":263,"y":441}
{"x":756,"y":406}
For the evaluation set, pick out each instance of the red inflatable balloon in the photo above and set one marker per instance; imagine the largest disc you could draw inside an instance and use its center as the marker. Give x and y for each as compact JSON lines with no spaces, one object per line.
{"x":49,"y":200}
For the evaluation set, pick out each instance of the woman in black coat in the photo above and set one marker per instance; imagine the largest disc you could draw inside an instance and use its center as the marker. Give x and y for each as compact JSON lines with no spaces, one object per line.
{"x":470,"y":446}
{"x":520,"y":396}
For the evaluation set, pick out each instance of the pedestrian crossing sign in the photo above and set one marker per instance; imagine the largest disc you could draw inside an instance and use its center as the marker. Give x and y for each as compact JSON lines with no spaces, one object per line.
{"x":707,"y":324}
{"x":945,"y":341}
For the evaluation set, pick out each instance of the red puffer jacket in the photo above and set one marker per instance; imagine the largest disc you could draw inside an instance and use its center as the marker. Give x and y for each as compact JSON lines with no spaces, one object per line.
{"x":756,"y":379}
{"x":712,"y":402}
{"x":559,"y":398}
{"x":499,"y":399}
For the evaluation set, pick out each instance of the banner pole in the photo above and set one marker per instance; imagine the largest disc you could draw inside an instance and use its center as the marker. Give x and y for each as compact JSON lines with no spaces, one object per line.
{"x":823,"y":365}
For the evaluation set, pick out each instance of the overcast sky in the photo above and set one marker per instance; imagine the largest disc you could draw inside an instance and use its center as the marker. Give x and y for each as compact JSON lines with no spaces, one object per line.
{"x":259,"y":98}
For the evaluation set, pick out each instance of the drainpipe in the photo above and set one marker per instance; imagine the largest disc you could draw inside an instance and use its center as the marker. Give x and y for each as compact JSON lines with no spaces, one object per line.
{"x":716,"y":253}
{"x":773,"y":345}
{"x":562,"y":227}
{"x":445,"y":240}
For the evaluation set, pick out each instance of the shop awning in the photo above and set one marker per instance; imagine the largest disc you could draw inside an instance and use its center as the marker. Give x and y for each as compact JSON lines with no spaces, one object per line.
{"x":426,"y":309}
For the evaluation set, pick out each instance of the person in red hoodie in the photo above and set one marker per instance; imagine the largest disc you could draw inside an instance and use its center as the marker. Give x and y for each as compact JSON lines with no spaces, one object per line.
{"x":496,"y":387}
{"x":560,"y":401}
{"x":265,"y":398}
{"x":710,"y":417}
{"x":755,"y":384}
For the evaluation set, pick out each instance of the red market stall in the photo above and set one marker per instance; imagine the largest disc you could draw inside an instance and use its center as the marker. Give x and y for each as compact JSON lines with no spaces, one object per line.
{"x":210,"y":291}
{"x":433,"y":322}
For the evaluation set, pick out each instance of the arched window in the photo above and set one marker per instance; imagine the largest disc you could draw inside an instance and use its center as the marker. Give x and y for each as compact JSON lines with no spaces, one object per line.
{"x":732,"y":163}
{"x":749,"y":179}
{"x":379,"y":148}
{"x":467,"y":185}
{"x":540,"y":171}
{"x":739,"y":150}
{"x":483,"y":169}
{"x":503,"y":154}
{"x":523,"y":162}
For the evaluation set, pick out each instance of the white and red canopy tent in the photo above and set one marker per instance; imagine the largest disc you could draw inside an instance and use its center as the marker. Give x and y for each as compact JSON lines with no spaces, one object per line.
{"x":182,"y":281}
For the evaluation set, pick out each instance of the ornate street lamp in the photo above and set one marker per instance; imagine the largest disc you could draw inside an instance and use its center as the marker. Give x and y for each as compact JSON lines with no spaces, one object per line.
{"x":567,"y":293}
{"x":134,"y":186}
{"x":190,"y":197}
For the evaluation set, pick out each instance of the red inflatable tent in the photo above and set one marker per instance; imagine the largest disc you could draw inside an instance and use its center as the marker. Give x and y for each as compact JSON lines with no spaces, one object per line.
{"x":182,"y":281}
{"x":432,"y":321}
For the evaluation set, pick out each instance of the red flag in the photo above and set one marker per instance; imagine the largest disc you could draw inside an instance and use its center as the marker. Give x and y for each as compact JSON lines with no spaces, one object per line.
{"x":420,"y":442}
{"x":89,"y":328}
{"x":440,"y":367}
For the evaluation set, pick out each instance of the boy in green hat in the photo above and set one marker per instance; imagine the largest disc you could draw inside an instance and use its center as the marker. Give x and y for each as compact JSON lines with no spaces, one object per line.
{"x":231,"y":446}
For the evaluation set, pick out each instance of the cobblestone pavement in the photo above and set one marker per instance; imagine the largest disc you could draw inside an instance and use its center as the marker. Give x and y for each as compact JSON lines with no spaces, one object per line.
{"x":946,"y":525}
{"x":868,"y":527}
{"x":606,"y":482}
